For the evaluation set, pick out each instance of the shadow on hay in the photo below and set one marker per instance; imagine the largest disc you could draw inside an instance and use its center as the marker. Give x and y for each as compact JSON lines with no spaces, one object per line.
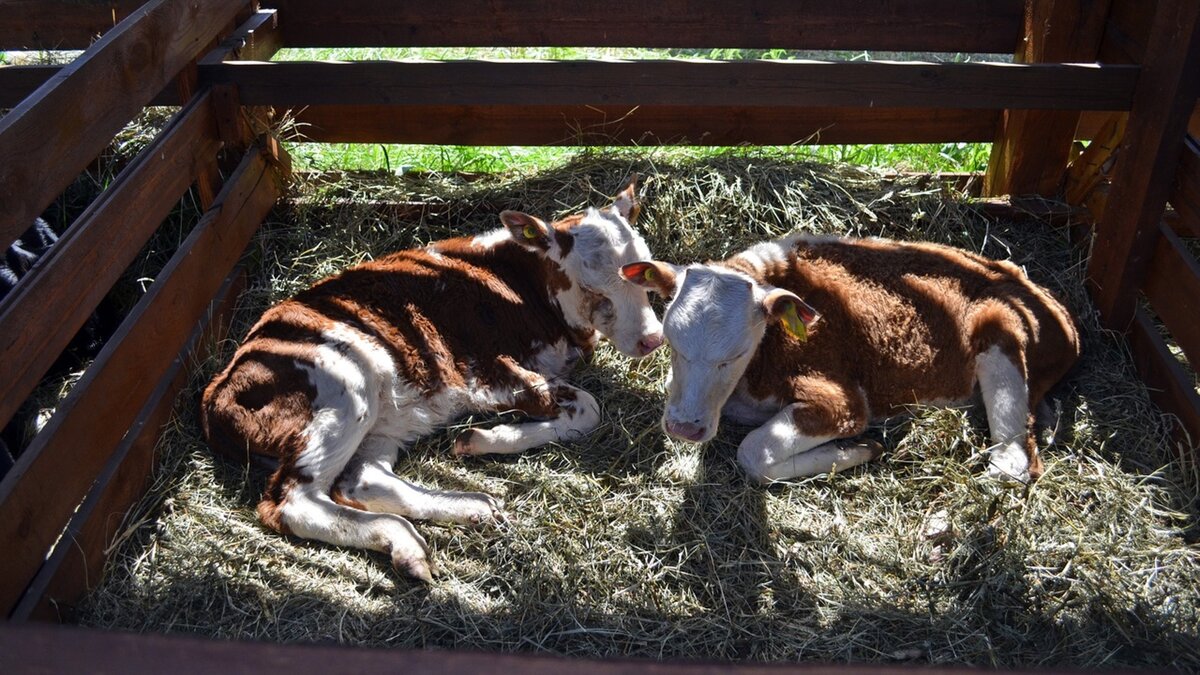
{"x":695,"y":562}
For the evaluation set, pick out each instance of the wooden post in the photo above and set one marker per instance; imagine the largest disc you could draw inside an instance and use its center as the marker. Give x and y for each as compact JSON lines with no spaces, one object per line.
{"x":1144,"y":176}
{"x":1032,"y":147}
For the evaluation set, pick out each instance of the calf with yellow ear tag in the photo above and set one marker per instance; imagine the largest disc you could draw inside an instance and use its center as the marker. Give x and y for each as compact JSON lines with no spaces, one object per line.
{"x":899,"y":324}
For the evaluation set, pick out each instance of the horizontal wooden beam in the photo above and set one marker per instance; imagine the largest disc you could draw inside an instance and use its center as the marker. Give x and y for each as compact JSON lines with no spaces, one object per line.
{"x":41,"y":648}
{"x":39,"y":318}
{"x":637,"y":125}
{"x":795,"y":84}
{"x":70,"y":452}
{"x":1171,"y":387}
{"x":50,"y":137}
{"x":59,"y":24}
{"x":77,"y":562}
{"x":912,"y":25}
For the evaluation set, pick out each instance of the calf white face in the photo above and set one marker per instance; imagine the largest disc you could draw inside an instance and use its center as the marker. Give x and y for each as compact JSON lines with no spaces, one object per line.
{"x":590,"y":249}
{"x":714,"y":324}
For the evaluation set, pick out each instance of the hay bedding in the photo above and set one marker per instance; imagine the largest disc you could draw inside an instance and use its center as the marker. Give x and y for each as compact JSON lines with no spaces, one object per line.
{"x":628,"y":544}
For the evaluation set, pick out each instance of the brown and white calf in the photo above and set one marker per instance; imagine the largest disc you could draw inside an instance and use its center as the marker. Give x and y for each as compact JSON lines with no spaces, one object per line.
{"x":332,"y":382}
{"x":899,"y":324}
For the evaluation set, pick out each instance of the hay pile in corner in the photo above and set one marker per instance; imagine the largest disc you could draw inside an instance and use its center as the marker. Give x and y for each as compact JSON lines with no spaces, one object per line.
{"x":628,"y":544}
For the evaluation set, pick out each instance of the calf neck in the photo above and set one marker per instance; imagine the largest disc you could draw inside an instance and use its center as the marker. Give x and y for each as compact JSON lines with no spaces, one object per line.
{"x":811,"y":338}
{"x":332,"y":382}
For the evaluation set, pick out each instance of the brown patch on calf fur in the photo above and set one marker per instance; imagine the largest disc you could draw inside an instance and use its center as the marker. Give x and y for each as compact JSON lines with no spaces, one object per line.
{"x":906,"y":323}
{"x":445,"y":315}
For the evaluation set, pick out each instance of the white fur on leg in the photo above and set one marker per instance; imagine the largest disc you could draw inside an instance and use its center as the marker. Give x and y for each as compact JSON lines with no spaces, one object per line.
{"x":770,"y":452}
{"x":312,"y":514}
{"x":380,"y":490}
{"x":824,"y":458}
{"x":579,"y":416}
{"x":1006,"y":399}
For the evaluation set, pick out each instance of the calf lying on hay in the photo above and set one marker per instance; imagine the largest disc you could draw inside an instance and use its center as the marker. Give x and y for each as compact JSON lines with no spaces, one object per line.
{"x":629,"y":544}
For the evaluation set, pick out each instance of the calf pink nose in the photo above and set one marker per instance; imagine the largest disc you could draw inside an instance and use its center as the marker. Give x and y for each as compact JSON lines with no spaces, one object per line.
{"x":649,"y":343}
{"x":688,"y":431}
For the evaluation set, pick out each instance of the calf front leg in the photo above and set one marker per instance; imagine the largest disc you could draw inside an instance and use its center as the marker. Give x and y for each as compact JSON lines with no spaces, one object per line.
{"x":577,"y":414}
{"x":804,"y":439}
{"x":1006,"y":399}
{"x":370,"y":484}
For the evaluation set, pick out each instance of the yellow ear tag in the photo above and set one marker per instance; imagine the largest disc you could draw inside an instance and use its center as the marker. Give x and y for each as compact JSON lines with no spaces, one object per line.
{"x":793,"y":323}
{"x":648,"y":275}
{"x":531,"y":232}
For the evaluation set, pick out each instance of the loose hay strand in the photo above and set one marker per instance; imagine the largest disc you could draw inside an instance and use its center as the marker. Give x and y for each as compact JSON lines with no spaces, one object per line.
{"x":628,"y":544}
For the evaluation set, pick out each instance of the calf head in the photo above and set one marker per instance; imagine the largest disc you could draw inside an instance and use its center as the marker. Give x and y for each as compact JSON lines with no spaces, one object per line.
{"x":714,"y":323}
{"x":588,"y":248}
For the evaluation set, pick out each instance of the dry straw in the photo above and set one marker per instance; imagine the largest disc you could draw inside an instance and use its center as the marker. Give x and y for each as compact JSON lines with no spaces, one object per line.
{"x":627,"y":544}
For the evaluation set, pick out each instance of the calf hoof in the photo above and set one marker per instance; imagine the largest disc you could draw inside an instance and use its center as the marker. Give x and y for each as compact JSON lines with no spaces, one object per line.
{"x":488,"y":510}
{"x":1007,"y":474}
{"x":414,"y":566}
{"x":464,"y":444}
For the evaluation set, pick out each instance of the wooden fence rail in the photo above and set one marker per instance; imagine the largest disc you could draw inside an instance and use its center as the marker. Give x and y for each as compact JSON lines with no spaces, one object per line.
{"x":98,"y":444}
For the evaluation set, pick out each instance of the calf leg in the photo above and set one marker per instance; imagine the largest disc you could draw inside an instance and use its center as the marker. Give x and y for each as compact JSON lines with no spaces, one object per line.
{"x":577,"y":414}
{"x":370,"y":484}
{"x":1006,"y":399}
{"x":803,"y":438}
{"x":311,"y":513}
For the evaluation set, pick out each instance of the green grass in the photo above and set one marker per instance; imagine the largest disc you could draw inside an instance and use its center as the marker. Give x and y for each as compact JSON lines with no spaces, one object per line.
{"x":941,"y":157}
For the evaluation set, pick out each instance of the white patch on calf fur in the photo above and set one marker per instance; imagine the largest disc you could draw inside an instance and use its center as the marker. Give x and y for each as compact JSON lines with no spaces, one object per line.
{"x":715,"y":317}
{"x":1006,"y":399}
{"x":490,"y":239}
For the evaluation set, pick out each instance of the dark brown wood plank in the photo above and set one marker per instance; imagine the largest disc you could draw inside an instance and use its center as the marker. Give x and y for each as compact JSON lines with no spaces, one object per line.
{"x":1173,"y":288}
{"x":38,"y":319}
{"x":53,"y":134}
{"x":800,"y":84}
{"x":59,"y":24}
{"x":46,"y":648}
{"x":1143,"y":178}
{"x":1032,"y":147}
{"x":70,"y":451}
{"x":1128,"y":31}
{"x":1185,"y":196}
{"x":638,"y":125}
{"x":18,"y":82}
{"x":912,"y":25}
{"x":1171,"y":386}
{"x":76,"y":564}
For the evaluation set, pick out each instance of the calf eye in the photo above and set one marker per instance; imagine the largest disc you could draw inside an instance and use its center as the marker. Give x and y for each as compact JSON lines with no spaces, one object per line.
{"x":603,"y":306}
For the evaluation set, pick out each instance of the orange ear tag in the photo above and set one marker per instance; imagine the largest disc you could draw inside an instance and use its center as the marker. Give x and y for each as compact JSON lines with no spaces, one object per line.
{"x":793,"y":324}
{"x":531,"y":232}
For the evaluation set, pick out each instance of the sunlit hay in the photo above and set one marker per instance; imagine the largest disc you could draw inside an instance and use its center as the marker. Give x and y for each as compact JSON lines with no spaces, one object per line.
{"x":626,"y":544}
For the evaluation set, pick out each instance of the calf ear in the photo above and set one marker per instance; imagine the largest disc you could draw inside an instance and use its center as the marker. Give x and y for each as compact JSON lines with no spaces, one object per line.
{"x":795,"y":314}
{"x":527,"y":230}
{"x":626,"y":202}
{"x":652,"y":274}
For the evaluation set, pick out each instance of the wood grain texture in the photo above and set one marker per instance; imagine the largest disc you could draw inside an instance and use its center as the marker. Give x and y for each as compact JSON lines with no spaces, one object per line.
{"x":1032,"y":147}
{"x":1144,"y":175}
{"x":77,"y":562}
{"x":71,"y":450}
{"x":638,"y":125}
{"x":53,"y":134}
{"x":60,"y":649}
{"x":39,"y":318}
{"x":1185,"y":196}
{"x":1173,"y":288}
{"x":899,"y":25}
{"x":799,"y":84}
{"x":1128,"y":31}
{"x":1170,"y":386}
{"x":58,"y":24}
